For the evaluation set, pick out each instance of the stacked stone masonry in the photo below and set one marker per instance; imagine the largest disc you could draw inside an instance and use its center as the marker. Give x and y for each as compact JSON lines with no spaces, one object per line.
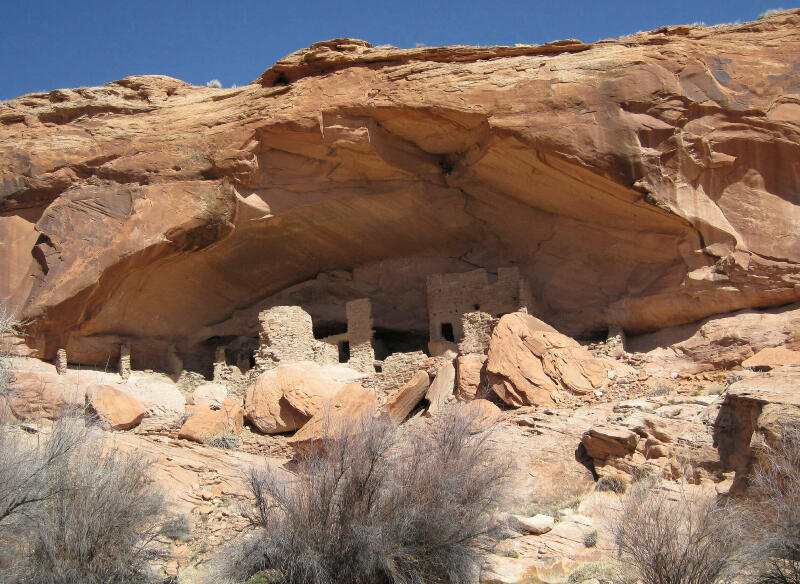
{"x":476,"y":328}
{"x":452,"y":295}
{"x":286,"y":336}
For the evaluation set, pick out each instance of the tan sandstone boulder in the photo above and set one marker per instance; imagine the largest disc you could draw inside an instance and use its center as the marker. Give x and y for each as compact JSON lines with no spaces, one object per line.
{"x":351,"y":405}
{"x":471,"y":376}
{"x":208,"y":394}
{"x":115,"y":409}
{"x":284,"y":398}
{"x":529,"y":362}
{"x":441,"y":388}
{"x":603,"y":441}
{"x":407,"y":397}
{"x":772,"y":357}
{"x":207,"y":423}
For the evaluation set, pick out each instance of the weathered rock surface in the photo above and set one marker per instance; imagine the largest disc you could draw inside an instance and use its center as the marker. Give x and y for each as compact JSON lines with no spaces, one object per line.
{"x":755,"y":411}
{"x":537,"y":525}
{"x":285,"y":398}
{"x":609,"y":441}
{"x":441,"y":388}
{"x":406,"y":397}
{"x":341,"y":416}
{"x":208,"y":394}
{"x":472,"y":382}
{"x":38,"y":391}
{"x":721,"y":341}
{"x":771,"y":358}
{"x":529,"y":363}
{"x":643,"y":182}
{"x":115,"y":409}
{"x":205,"y":423}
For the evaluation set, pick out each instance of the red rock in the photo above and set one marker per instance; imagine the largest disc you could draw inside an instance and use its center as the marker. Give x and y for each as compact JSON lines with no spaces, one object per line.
{"x":529,"y":362}
{"x":481,"y":413}
{"x":472,"y":381}
{"x":115,"y":409}
{"x":772,"y":357}
{"x":341,"y":416}
{"x":285,"y":398}
{"x":406,"y":397}
{"x":602,"y":442}
{"x":170,"y":211}
{"x":205,"y":423}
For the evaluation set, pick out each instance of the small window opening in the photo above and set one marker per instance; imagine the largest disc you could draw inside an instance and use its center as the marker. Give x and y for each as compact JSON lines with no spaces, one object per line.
{"x":344,"y":352}
{"x":476,"y":306}
{"x":447,"y":332}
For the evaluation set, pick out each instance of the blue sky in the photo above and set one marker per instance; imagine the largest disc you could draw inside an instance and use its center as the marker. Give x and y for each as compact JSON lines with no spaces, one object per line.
{"x":52,"y":44}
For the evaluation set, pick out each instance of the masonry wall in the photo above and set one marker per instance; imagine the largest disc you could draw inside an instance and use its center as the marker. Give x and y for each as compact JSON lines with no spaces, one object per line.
{"x":286,"y":336}
{"x":452,"y":295}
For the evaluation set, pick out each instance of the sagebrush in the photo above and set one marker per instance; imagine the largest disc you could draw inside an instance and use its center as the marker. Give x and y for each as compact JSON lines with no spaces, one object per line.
{"x":776,"y":485}
{"x":378,"y":504}
{"x":670,"y":537}
{"x":73,"y":510}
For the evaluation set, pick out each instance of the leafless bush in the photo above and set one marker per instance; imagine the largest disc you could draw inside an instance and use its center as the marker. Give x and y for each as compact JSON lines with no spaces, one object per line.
{"x":7,"y":327}
{"x":73,"y":510}
{"x":671,"y":538}
{"x":776,"y":483}
{"x":379,"y":504}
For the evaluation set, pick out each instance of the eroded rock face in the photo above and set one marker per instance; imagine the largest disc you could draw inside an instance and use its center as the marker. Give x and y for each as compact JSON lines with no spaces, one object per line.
{"x":529,"y":363}
{"x":644,"y":182}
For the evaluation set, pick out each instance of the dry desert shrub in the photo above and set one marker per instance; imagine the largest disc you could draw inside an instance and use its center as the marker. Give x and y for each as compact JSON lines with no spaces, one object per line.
{"x":378,"y":504}
{"x":671,"y":538}
{"x":73,"y":510}
{"x":776,"y":484}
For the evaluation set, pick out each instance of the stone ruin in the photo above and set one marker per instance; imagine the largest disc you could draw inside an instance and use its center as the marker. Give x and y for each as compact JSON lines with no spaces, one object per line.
{"x":463,"y":308}
{"x":287,"y":336}
{"x":452,"y":296}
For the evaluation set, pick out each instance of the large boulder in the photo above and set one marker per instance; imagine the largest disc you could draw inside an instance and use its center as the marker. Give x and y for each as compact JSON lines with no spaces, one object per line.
{"x":115,"y":409}
{"x":44,"y":394}
{"x":604,"y":441}
{"x":529,"y":362}
{"x":208,"y":394}
{"x":206,"y":423}
{"x":471,"y":380}
{"x":756,"y":411}
{"x":286,"y":397}
{"x":345,"y":413}
{"x":159,"y":395}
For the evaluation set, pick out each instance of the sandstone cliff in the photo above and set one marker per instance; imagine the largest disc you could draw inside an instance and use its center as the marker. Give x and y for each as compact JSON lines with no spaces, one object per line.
{"x":645,"y":182}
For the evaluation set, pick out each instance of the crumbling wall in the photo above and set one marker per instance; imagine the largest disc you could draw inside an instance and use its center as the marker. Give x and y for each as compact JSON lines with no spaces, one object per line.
{"x":476,"y":330}
{"x":286,"y":336}
{"x":396,"y":369}
{"x":452,"y":295}
{"x":359,"y":335}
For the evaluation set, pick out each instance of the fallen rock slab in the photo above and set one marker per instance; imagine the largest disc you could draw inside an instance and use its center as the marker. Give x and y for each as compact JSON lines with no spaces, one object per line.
{"x":602,"y":442}
{"x":207,"y":423}
{"x":528,"y":362}
{"x":345,"y":413}
{"x":441,"y":388}
{"x":407,"y":397}
{"x":115,"y":409}
{"x":772,"y":357}
{"x":537,"y":525}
